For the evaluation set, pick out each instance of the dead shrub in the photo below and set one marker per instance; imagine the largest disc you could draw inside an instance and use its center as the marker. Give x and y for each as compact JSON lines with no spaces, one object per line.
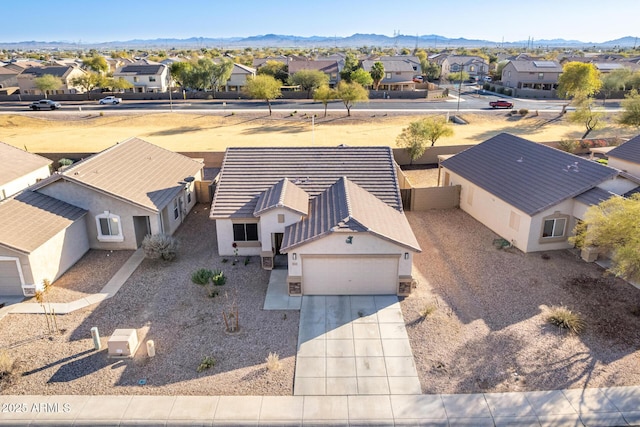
{"x":160,"y":246}
{"x":564,"y":318}
{"x":273,"y":362}
{"x":9,"y":370}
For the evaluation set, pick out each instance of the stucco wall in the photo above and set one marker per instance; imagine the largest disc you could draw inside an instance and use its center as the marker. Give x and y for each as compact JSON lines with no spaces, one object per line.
{"x":624,"y":165}
{"x":536,"y":243}
{"x":269,"y":224}
{"x":12,"y":187}
{"x":361,"y":244}
{"x":59,"y":253}
{"x":97,"y":203}
{"x":224,"y":232}
{"x":23,"y":260}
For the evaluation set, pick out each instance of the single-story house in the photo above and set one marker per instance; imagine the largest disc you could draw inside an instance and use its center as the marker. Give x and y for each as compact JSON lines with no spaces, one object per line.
{"x":528,"y":193}
{"x":626,"y":157}
{"x":40,"y":239}
{"x":20,"y":169}
{"x":336,"y":212}
{"x":129,"y":190}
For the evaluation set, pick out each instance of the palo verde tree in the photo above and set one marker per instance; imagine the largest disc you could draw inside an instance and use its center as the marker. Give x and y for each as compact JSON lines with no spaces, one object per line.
{"x":324,"y":94}
{"x":351,"y":94}
{"x":614,"y":227}
{"x":631,"y":110}
{"x":276,"y":69}
{"x":263,"y":87}
{"x":47,"y":83}
{"x":96,"y":63}
{"x":377,"y":73}
{"x":587,"y":114}
{"x":578,"y":81}
{"x":89,"y":81}
{"x":309,"y":80}
{"x":415,"y":137}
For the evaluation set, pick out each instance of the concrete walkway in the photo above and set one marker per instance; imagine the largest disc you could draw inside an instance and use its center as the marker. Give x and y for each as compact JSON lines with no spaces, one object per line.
{"x":277,"y":297}
{"x":615,"y":406}
{"x":109,"y":290}
{"x":353,"y":345}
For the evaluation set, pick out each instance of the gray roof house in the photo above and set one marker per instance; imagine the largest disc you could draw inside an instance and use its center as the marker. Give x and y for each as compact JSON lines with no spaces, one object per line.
{"x":532,"y":78}
{"x":399,"y":72}
{"x":41,"y":237}
{"x":66,"y":74}
{"x":528,"y":193}
{"x":20,"y":169}
{"x":626,"y":157}
{"x":129,"y":190}
{"x":335,"y":212}
{"x":145,"y":77}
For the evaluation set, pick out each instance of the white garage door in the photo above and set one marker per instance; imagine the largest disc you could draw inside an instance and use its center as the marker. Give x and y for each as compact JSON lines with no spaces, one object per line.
{"x":10,"y":283}
{"x":353,"y":275}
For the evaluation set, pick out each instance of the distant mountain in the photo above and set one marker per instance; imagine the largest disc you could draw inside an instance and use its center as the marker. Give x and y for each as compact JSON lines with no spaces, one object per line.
{"x":284,"y":41}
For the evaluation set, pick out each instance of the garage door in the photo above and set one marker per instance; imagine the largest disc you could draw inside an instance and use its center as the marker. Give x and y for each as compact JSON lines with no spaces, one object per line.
{"x":10,"y":283}
{"x":354,"y":275}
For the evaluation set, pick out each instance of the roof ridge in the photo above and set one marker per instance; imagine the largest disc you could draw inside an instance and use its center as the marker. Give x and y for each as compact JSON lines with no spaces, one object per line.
{"x":284,"y":188}
{"x":347,"y":199}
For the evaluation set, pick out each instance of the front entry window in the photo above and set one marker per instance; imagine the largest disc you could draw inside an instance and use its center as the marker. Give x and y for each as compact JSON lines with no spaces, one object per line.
{"x":109,"y":227}
{"x":245,"y":232}
{"x":554,"y":227}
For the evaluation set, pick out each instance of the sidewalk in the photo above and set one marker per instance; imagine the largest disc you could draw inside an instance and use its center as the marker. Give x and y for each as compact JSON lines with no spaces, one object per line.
{"x":615,"y":406}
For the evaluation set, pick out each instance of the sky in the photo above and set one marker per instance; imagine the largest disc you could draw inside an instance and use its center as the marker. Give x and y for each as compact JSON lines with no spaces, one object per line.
{"x":90,"y":21}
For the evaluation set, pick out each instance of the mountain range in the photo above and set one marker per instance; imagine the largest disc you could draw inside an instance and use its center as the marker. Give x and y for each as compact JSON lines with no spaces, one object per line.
{"x":431,"y":41}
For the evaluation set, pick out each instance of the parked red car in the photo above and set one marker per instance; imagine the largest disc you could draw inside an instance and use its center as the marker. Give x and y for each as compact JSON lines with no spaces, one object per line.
{"x":501,"y":103}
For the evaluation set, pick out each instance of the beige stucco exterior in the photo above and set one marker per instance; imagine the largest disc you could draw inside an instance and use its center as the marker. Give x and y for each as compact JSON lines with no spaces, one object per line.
{"x":625,"y":165}
{"x":27,"y":85}
{"x":12,"y":187}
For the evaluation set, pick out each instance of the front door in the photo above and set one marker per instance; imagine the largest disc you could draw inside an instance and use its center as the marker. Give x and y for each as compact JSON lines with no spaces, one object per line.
{"x":142,"y":227}
{"x":277,"y":242}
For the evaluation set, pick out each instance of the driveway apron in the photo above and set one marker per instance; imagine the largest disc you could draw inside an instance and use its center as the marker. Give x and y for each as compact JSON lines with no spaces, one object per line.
{"x":353,"y":345}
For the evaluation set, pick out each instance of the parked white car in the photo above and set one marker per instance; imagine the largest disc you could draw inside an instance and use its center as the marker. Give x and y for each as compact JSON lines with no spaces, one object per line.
{"x":110,"y":100}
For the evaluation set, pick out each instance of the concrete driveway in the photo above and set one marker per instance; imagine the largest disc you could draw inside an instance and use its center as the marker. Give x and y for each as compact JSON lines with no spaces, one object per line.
{"x":350,"y":345}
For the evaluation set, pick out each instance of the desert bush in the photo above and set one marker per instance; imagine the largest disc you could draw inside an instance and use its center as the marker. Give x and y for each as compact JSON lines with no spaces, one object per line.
{"x":9,"y":370}
{"x":218,"y":278}
{"x":508,"y":92}
{"x":564,"y":318}
{"x":603,"y":161}
{"x":568,"y":145}
{"x":273,"y":362}
{"x":486,"y":86}
{"x":160,"y":246}
{"x":500,"y":90}
{"x":427,"y":310}
{"x":207,"y":362}
{"x":65,"y":162}
{"x":523,"y":111}
{"x":201,"y":276}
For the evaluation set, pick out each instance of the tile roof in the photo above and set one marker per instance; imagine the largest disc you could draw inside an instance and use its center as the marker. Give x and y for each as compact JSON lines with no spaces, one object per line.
{"x":529,"y":176}
{"x":60,"y":71}
{"x":284,"y":194}
{"x":20,"y":213}
{"x":537,"y":66}
{"x":247,"y":172}
{"x":392,"y":65}
{"x":594,"y":196}
{"x":347,"y":207}
{"x":326,"y":66}
{"x":629,"y":151}
{"x":136,"y":171}
{"x":17,"y":163}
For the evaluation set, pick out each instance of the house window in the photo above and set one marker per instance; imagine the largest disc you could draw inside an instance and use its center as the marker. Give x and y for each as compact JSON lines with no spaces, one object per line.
{"x":472,"y":68}
{"x":245,"y":232}
{"x":189,"y":197}
{"x":387,"y":75}
{"x":280,"y":218}
{"x":136,"y":79}
{"x":109,"y":229}
{"x":176,"y":210}
{"x":152,"y":78}
{"x":540,"y":76}
{"x":554,"y":227}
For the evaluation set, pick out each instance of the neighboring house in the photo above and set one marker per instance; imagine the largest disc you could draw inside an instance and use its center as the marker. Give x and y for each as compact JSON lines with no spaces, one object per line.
{"x":20,"y":169}
{"x":129,"y":190}
{"x":626,"y":157}
{"x":532,"y":78}
{"x":476,"y":66}
{"x":398,"y":72}
{"x":238,"y":79}
{"x":528,"y":193}
{"x":40,"y":238}
{"x":145,"y":77}
{"x":335,"y":212}
{"x":331,"y":68}
{"x":259,"y":62}
{"x":8,"y":79}
{"x":26,"y":80}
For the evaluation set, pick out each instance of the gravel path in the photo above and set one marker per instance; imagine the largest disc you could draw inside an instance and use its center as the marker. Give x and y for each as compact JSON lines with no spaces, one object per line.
{"x":488,"y":331}
{"x":160,"y":301}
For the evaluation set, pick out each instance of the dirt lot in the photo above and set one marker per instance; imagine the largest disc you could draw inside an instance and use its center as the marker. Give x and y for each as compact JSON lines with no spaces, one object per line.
{"x":162,"y":303}
{"x":66,"y":132}
{"x":488,"y":331}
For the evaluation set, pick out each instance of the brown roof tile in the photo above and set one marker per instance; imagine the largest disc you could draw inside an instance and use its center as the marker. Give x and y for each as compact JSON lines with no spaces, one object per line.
{"x":284,"y":194}
{"x":17,"y":162}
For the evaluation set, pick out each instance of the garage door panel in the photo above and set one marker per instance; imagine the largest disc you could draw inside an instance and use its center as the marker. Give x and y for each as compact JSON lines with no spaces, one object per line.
{"x":349,"y":275}
{"x":10,"y":281}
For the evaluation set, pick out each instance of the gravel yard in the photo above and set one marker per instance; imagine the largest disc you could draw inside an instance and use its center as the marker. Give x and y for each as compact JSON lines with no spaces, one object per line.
{"x":160,"y":301}
{"x":488,"y":332}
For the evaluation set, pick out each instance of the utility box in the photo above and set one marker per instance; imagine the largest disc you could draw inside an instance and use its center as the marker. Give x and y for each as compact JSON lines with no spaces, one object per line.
{"x":123,"y":343}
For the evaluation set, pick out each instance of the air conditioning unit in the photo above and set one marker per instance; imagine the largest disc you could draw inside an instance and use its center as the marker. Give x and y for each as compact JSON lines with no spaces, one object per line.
{"x":123,"y":343}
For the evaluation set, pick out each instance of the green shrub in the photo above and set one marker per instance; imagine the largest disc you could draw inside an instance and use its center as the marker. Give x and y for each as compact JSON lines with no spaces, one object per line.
{"x":568,"y":145}
{"x":564,"y":318}
{"x":247,"y":260}
{"x":500,"y":90}
{"x":160,"y":246}
{"x":65,"y":162}
{"x":508,"y":92}
{"x":493,"y":88}
{"x":523,"y":111}
{"x":603,"y":161}
{"x":218,"y":278}
{"x":207,"y":362}
{"x":201,"y":276}
{"x":486,"y":86}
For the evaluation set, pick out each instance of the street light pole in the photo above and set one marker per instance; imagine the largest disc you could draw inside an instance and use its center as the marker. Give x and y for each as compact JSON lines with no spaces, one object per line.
{"x":459,"y":87}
